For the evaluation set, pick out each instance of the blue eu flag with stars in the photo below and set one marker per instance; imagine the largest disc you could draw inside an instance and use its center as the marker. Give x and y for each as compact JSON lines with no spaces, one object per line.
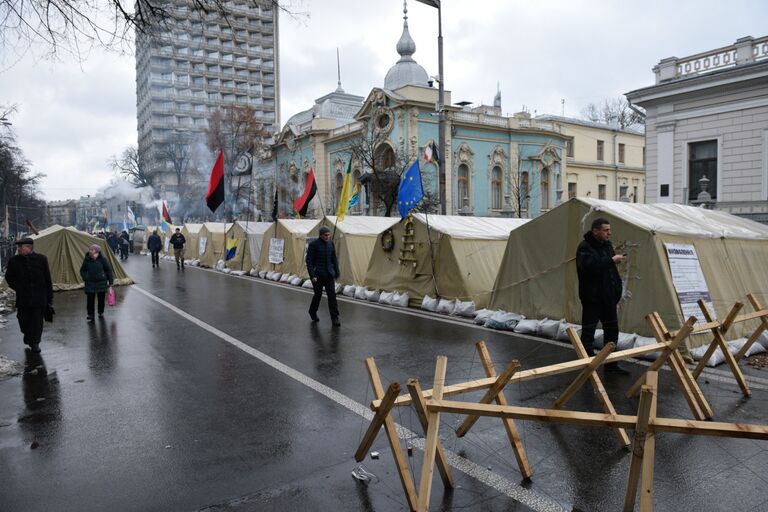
{"x":411,"y":191}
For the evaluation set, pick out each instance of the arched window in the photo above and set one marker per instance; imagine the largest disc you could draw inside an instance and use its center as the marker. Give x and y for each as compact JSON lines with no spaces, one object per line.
{"x":385,"y":157}
{"x":463,"y":189}
{"x":496,"y":188}
{"x":356,"y":182}
{"x":544,"y":188}
{"x":524,"y":191}
{"x":339,"y":186}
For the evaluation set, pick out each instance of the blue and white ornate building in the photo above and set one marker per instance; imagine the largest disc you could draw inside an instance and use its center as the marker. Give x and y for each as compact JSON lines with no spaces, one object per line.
{"x":495,"y":165}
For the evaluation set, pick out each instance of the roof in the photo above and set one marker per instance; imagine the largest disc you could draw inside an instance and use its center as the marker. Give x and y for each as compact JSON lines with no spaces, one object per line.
{"x":363,"y":225}
{"x":254,"y":228}
{"x":193,"y":228}
{"x":682,"y":220}
{"x":216,"y":227}
{"x":480,"y":228}
{"x":299,"y":226}
{"x":589,"y":124}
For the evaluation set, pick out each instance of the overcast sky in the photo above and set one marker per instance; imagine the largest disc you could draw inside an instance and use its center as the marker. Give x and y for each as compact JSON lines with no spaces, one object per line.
{"x":72,"y":116}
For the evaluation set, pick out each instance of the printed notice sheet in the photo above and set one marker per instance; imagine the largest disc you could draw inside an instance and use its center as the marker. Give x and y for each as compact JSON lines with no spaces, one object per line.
{"x":688,"y":279}
{"x":276,"y":246}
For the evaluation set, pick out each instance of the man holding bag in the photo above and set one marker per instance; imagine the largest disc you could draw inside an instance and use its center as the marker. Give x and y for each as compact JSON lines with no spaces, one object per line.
{"x":97,"y":276}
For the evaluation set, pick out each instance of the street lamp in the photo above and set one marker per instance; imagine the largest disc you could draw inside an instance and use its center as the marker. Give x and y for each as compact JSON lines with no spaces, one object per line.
{"x":440,"y":101}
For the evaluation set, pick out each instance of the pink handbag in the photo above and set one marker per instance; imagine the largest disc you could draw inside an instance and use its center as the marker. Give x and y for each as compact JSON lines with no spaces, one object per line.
{"x":111,"y":297}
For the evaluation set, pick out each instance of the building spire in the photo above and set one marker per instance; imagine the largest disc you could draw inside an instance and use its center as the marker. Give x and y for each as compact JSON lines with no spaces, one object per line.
{"x":338,"y":72}
{"x":406,"y":46}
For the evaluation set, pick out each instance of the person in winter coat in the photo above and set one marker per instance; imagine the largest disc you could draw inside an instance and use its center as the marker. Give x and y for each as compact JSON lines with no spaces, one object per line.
{"x":323,"y":269}
{"x":600,"y":287}
{"x":97,"y":275}
{"x":113,"y":242}
{"x":178,"y":241}
{"x":125,"y":245}
{"x":29,"y":276}
{"x":155,"y":245}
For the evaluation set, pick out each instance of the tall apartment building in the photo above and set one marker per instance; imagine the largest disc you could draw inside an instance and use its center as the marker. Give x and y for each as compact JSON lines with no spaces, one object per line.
{"x":198,"y":63}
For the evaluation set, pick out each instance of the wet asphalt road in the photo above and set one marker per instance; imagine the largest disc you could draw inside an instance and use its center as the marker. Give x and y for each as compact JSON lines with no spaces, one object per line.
{"x":149,"y":410}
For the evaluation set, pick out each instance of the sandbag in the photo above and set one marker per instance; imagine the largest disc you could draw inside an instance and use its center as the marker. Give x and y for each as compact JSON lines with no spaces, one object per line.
{"x":226,"y":270}
{"x":549,"y":328}
{"x":338,"y":288}
{"x":562,"y":331}
{"x":276,"y":276}
{"x":360,"y":292}
{"x":220,"y":265}
{"x":599,"y":338}
{"x":307,"y":284}
{"x":466,"y":309}
{"x":503,"y":321}
{"x":372,"y":295}
{"x":527,"y":327}
{"x":401,"y":300}
{"x":349,"y":290}
{"x":482,"y":315}
{"x":626,"y":340}
{"x":263,"y":274}
{"x":386,"y":298}
{"x":643,"y":341}
{"x":296,"y":281}
{"x":429,"y":304}
{"x":446,"y":307}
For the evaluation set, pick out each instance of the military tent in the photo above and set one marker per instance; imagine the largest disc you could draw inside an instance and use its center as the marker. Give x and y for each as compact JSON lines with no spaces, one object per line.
{"x":288,"y":240}
{"x":66,"y":249}
{"x":250,"y":236}
{"x":461,"y":262}
{"x":148,"y":231}
{"x":538,"y":276}
{"x":191,"y":234}
{"x":211,"y":242}
{"x":355,"y":238}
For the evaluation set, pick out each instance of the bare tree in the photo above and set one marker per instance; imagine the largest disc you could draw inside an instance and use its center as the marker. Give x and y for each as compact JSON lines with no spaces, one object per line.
{"x":176,"y":150}
{"x":614,"y":112}
{"x":131,"y":165}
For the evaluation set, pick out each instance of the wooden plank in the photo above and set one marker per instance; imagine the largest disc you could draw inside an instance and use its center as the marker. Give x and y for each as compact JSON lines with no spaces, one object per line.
{"x":430,"y":448}
{"x":377,"y":421}
{"x":699,"y":328}
{"x":509,"y":424}
{"x":689,"y":388}
{"x":490,"y":396}
{"x":649,"y":451}
{"x":597,"y":385}
{"x":755,"y":335}
{"x":732,"y":364}
{"x":665,"y":353}
{"x":401,"y":462}
{"x":730,"y":318}
{"x":662,"y":326}
{"x":585,"y":374}
{"x":638,"y":447}
{"x":414,"y":388}
{"x":750,"y":316}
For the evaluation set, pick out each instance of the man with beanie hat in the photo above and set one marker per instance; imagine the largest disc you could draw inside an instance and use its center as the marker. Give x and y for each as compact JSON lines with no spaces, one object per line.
{"x":29,"y":276}
{"x":323,"y":269}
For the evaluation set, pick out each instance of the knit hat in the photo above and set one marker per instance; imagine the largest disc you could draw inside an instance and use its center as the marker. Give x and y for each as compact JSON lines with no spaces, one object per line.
{"x":95,"y":248}
{"x":324,"y":230}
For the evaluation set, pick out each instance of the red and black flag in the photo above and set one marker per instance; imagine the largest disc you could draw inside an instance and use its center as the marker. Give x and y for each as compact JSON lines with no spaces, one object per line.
{"x":310,"y":189}
{"x":215,"y":195}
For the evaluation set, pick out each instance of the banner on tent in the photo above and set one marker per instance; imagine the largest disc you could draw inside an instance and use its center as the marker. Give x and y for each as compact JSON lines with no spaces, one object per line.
{"x":202,"y":243}
{"x":167,"y":243}
{"x":276,"y":248}
{"x":688,"y":278}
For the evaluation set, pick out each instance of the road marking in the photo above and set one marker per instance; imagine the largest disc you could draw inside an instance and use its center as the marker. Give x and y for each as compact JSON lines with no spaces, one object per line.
{"x":709,"y":373}
{"x":499,"y":483}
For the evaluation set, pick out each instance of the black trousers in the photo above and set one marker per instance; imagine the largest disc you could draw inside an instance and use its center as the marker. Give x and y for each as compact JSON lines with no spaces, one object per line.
{"x":606,"y":315}
{"x":155,"y":257}
{"x":330,"y":290}
{"x":31,"y":323}
{"x":90,"y":302}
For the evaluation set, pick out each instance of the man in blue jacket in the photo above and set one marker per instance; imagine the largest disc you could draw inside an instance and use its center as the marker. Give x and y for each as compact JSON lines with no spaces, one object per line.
{"x":323,"y":269}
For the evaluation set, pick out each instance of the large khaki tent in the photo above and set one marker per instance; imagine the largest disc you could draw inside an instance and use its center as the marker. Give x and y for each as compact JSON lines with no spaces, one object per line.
{"x":66,"y":249}
{"x":211,"y":239}
{"x":191,"y":234}
{"x":148,"y":231}
{"x":250,"y":236}
{"x":462,"y":262}
{"x":538,"y":276}
{"x":292,"y":234}
{"x":355,"y":238}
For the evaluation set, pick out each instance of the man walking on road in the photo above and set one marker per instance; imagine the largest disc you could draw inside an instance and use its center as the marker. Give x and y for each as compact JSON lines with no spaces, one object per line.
{"x":178,"y":241}
{"x":29,"y":276}
{"x":599,"y":287}
{"x":154,"y":246}
{"x":323,"y":269}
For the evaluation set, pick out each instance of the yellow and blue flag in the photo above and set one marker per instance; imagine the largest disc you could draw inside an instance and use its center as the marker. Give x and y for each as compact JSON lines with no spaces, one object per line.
{"x":411,"y":191}
{"x":231,"y":248}
{"x":355,"y":197}
{"x":346,"y":194}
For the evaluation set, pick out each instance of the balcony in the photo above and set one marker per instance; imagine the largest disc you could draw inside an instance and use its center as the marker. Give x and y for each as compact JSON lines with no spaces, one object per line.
{"x":505,"y":122}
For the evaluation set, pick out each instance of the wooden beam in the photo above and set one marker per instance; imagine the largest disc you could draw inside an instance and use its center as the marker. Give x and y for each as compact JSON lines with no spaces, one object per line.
{"x":750,"y":316}
{"x":720,"y":341}
{"x":509,"y":424}
{"x":377,"y":421}
{"x":401,"y":462}
{"x":490,"y":396}
{"x":638,"y":446}
{"x":755,"y":335}
{"x":430,"y":448}
{"x":730,"y":318}
{"x":414,"y":388}
{"x":649,"y":451}
{"x":585,"y":374}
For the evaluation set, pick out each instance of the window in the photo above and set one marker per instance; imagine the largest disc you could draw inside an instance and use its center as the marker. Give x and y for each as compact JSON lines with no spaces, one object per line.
{"x":702,"y":162}
{"x":600,"y":150}
{"x":623,"y":191}
{"x":544,"y":188}
{"x":355,"y":182}
{"x":339,"y":187}
{"x":463,"y":197}
{"x":571,"y":190}
{"x":496,"y":188}
{"x":569,"y":148}
{"x":643,"y":156}
{"x":601,"y":191}
{"x":621,"y":153}
{"x":634,"y":194}
{"x":664,"y":190}
{"x":523,"y":191}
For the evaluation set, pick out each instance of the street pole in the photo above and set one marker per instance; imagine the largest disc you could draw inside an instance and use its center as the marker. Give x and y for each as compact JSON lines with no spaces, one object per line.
{"x":441,"y":110}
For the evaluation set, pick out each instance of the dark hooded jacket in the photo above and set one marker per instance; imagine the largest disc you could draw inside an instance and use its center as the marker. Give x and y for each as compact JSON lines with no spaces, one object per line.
{"x":96,"y":274}
{"x":321,"y":259}
{"x":599,"y":281}
{"x":154,"y":243}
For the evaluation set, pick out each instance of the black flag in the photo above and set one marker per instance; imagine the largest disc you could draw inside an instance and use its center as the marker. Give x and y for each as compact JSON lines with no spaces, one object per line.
{"x":274,"y":207}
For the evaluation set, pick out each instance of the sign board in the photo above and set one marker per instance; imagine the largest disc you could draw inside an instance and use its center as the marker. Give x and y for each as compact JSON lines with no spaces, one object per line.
{"x":276,"y":248}
{"x":688,"y":279}
{"x":201,"y":244}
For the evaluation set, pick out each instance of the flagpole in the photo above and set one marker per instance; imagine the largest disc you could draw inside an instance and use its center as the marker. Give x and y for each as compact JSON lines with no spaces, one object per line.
{"x":429,"y":236}
{"x":319,"y":195}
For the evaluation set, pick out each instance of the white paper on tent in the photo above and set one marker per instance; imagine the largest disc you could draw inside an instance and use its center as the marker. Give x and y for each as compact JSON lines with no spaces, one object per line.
{"x":167,"y":243}
{"x":202,"y":242}
{"x":688,"y":279}
{"x":276,"y":248}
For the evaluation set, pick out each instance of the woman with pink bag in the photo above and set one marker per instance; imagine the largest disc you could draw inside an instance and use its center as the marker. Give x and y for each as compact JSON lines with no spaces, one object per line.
{"x":97,"y":276}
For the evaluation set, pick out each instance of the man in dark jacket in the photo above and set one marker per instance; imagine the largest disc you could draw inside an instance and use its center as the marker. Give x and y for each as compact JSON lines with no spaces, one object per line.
{"x":600,"y":287}
{"x":323,"y":269}
{"x":155,"y":245}
{"x":29,"y":276}
{"x":125,"y":243}
{"x":178,"y":241}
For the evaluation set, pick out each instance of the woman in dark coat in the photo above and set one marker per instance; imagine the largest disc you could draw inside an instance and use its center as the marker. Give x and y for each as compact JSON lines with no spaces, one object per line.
{"x":97,"y":275}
